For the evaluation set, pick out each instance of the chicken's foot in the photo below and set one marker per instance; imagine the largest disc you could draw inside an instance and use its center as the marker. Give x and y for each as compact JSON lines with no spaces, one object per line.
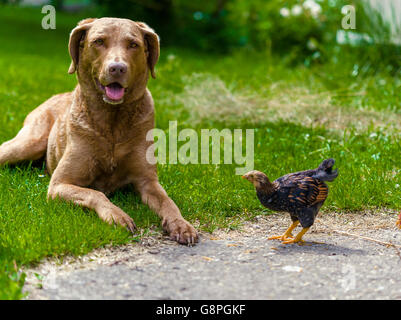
{"x":298,"y":238}
{"x":287,"y":234}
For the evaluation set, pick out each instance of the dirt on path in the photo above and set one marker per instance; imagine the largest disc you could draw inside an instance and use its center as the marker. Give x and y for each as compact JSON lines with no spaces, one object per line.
{"x":240,"y":264}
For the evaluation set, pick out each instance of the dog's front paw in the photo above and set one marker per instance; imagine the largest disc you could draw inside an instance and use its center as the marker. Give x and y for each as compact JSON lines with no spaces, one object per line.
{"x":181,"y":231}
{"x":119,"y":217}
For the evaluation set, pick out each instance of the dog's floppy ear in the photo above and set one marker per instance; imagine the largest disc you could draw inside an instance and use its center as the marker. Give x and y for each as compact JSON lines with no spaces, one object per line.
{"x":152,"y":46}
{"x":76,"y":37}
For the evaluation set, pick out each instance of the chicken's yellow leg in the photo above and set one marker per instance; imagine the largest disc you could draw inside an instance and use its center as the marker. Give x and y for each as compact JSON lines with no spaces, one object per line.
{"x":287,"y":234}
{"x":298,"y":237}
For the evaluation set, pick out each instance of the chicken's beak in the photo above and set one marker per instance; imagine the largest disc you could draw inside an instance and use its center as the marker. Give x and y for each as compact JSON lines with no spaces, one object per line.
{"x":243,"y":177}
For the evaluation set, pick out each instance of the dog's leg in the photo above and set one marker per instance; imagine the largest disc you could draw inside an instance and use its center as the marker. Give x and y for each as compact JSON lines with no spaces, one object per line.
{"x":180,"y":230}
{"x":29,"y":144}
{"x":73,"y":172}
{"x":94,"y":200}
{"x":31,"y":141}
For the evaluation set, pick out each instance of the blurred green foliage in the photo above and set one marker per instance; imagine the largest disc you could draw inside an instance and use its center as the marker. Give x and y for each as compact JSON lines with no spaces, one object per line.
{"x":380,"y":50}
{"x":299,"y":31}
{"x":199,"y":24}
{"x":305,"y":31}
{"x":223,"y":25}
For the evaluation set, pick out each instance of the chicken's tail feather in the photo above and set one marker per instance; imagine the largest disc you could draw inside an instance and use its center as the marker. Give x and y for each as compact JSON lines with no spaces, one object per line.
{"x":325,"y":171}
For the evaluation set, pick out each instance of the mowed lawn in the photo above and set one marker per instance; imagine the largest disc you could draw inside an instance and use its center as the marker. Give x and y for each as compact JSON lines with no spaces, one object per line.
{"x":300,"y":116}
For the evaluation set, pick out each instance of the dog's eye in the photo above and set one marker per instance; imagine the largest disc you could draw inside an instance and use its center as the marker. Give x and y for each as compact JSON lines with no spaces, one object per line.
{"x":133,"y":44}
{"x":99,"y":42}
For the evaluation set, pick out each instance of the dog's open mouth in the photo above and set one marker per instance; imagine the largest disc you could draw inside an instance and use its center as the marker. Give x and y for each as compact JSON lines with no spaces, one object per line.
{"x":113,"y":92}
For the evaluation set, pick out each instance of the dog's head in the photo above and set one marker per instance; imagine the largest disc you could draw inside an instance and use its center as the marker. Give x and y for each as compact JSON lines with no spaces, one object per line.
{"x":113,"y":57}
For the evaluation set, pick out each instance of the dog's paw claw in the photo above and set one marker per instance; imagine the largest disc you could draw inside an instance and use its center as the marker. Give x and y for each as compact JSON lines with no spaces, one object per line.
{"x":120,"y":218}
{"x":182,"y":232}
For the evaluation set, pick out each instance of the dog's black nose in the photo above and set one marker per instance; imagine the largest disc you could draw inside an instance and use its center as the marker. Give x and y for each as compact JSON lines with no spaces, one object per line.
{"x":117,"y":68}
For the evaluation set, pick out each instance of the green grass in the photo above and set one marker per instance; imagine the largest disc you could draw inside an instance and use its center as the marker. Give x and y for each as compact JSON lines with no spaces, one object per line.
{"x":34,"y":64}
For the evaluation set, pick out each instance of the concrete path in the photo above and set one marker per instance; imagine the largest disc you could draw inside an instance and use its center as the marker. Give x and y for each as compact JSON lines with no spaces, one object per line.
{"x":238,"y":265}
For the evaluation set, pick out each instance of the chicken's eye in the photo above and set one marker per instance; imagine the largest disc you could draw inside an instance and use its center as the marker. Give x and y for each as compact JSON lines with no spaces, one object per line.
{"x":99,"y":42}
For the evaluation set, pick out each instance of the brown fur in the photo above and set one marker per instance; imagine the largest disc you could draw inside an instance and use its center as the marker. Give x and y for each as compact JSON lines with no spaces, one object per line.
{"x":93,"y":146}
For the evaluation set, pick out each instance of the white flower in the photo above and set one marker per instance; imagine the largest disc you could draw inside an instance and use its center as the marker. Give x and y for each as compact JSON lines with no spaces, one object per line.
{"x":296,"y":10}
{"x":285,"y":12}
{"x":311,"y":44}
{"x":171,"y":57}
{"x":314,"y":8}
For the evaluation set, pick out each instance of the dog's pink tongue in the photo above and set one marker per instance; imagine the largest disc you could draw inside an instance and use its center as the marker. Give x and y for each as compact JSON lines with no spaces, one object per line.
{"x":114,"y":92}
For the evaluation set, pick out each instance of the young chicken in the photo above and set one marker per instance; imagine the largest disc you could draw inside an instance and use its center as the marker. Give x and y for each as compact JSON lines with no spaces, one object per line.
{"x":300,"y":193}
{"x":398,"y":223}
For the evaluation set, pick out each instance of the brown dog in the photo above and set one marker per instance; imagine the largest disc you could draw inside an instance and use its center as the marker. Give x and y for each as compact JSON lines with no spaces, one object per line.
{"x":95,"y":136}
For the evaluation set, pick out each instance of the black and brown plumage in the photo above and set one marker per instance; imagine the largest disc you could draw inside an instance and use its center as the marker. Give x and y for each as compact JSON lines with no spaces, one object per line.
{"x":301,"y":194}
